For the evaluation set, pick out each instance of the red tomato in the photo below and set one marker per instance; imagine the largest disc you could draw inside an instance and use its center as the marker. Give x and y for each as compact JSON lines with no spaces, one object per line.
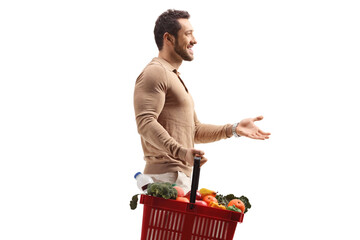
{"x":200,"y":203}
{"x":198,"y":195}
{"x":182,"y":199}
{"x":238,"y":203}
{"x":180,"y":191}
{"x":210,"y":198}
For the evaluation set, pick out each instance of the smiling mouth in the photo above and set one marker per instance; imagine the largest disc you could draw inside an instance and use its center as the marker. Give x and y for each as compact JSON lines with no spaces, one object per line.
{"x":190,"y":49}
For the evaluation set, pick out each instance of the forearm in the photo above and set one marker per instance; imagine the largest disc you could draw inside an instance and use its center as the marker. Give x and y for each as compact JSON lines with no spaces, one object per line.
{"x":155,"y":134}
{"x":206,"y":133}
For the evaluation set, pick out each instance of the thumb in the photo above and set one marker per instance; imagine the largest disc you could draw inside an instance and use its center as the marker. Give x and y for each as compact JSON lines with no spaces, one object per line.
{"x":258,"y":118}
{"x":203,"y":161}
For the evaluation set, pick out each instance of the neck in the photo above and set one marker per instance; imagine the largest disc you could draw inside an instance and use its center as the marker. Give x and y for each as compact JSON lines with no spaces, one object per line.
{"x":174,"y":59}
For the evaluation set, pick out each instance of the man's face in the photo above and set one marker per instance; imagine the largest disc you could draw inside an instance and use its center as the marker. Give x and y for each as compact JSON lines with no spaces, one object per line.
{"x":185,"y":40}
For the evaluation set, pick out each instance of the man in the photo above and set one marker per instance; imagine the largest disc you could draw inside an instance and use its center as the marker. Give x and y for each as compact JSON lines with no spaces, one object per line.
{"x":164,"y":109}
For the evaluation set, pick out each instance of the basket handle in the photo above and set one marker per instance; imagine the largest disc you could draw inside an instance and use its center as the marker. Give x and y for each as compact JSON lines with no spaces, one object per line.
{"x":195,"y":180}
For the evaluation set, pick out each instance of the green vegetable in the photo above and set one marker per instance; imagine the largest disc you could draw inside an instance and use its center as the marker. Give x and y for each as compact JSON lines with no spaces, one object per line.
{"x":221,"y":199}
{"x":226,"y":199}
{"x":133,"y":202}
{"x":230,"y":197}
{"x":163,"y":190}
{"x":233,"y":208}
{"x":246,"y":202}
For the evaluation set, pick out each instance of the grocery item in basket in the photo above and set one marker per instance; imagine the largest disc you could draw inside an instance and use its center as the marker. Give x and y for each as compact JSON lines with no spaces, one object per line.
{"x":233,"y":208}
{"x":182,"y":199}
{"x":163,"y":190}
{"x":209,"y":198}
{"x":225,"y":199}
{"x":237,"y":203}
{"x":204,"y":192}
{"x":216,"y":205}
{"x":201,"y":203}
{"x":198,"y":195}
{"x":143,"y":181}
{"x":180,"y":191}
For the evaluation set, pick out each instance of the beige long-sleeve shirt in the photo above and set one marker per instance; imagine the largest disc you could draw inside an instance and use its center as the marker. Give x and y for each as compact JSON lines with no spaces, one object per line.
{"x":166,"y":120}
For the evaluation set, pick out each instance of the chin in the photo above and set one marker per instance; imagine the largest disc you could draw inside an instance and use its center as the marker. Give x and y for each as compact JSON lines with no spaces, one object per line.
{"x":188,"y":58}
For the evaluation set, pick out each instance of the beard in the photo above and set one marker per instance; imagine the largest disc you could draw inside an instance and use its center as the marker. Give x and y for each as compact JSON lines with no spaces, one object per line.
{"x":183,"y":53}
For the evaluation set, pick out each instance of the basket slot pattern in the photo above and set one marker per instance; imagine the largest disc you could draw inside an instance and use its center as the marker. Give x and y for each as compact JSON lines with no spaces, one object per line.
{"x":165,"y":225}
{"x":205,"y":228}
{"x":172,"y":220}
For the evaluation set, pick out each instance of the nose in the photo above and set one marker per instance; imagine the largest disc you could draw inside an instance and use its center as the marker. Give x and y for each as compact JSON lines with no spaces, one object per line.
{"x":194,"y":41}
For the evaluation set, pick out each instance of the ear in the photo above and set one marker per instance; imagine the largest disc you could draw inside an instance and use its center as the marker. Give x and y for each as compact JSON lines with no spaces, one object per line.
{"x":168,"y":38}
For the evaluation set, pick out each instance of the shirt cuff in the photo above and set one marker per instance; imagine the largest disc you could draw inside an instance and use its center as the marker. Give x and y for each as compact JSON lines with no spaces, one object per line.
{"x":229,"y":130}
{"x":182,"y":153}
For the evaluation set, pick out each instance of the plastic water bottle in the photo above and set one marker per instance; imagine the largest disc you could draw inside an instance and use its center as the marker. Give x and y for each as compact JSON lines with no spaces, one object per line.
{"x":143,"y":181}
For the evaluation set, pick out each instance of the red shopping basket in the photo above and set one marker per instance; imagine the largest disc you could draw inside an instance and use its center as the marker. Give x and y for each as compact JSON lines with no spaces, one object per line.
{"x":174,"y":220}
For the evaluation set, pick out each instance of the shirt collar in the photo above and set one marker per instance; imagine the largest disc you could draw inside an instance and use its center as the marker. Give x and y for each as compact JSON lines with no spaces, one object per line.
{"x":167,"y":65}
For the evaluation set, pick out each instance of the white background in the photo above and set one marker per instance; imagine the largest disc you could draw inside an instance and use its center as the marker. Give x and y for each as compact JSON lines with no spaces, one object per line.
{"x":68,"y":141}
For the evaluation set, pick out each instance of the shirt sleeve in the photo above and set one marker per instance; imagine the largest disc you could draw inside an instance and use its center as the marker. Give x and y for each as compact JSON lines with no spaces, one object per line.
{"x":206,"y":133}
{"x":149,"y":100}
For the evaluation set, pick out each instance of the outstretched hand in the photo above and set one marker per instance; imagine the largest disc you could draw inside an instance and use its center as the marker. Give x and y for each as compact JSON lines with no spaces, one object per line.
{"x":248,"y":129}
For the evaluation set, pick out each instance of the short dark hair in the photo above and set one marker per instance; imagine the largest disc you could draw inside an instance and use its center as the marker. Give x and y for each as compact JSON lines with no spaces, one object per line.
{"x":168,"y":22}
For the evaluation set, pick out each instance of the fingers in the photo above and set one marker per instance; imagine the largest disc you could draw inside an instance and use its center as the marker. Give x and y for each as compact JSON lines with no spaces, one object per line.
{"x":191,"y":153}
{"x":259,"y":135}
{"x":264,"y":133}
{"x":256,"y":136}
{"x":197,"y":152}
